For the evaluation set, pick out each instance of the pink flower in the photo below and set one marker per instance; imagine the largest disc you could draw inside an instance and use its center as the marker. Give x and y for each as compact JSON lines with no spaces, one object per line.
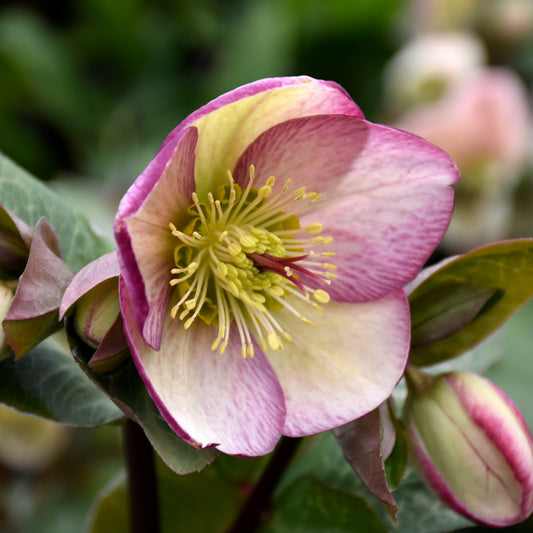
{"x":472,"y":446}
{"x":263,"y":253}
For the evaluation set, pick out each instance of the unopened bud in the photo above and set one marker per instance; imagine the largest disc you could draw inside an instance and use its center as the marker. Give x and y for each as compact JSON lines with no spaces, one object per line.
{"x":471,"y":445}
{"x":6,"y":295}
{"x":15,"y":239}
{"x":96,"y":311}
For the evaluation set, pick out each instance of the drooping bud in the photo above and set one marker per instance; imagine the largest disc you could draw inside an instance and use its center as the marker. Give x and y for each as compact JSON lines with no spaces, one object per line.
{"x":33,"y":313}
{"x":15,"y":241}
{"x":6,"y":295}
{"x":471,"y":445}
{"x":92,"y":300}
{"x":96,"y":311}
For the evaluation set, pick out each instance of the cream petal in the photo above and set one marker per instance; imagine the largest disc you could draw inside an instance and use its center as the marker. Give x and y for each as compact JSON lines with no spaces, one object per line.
{"x":145,"y":244}
{"x":227,"y":131}
{"x":206,"y":397}
{"x":343,"y":366}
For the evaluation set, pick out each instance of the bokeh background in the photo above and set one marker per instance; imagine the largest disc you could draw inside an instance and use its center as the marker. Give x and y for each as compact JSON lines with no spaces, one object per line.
{"x":90,"y":88}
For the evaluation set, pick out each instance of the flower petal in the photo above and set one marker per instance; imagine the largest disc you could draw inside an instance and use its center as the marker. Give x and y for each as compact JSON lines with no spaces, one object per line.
{"x":209,"y":398}
{"x":226,"y":132}
{"x":145,"y":245}
{"x":386,"y":199}
{"x":97,"y":271}
{"x":230,"y":122}
{"x":345,"y":365}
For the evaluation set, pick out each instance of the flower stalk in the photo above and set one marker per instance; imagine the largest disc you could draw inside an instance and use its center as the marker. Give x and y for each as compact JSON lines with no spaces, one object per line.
{"x":250,"y":513}
{"x":142,"y":480}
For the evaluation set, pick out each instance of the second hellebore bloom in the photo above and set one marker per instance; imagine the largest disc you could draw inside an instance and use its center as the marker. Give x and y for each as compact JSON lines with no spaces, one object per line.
{"x":263,"y":253}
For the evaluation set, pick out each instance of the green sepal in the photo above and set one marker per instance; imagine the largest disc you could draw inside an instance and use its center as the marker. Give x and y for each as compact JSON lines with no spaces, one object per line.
{"x":467,"y":299}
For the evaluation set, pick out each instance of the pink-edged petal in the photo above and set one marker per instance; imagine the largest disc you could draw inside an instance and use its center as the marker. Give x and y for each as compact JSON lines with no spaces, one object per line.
{"x":97,"y":271}
{"x":386,"y":199}
{"x":343,"y":366}
{"x":258,"y":106}
{"x":383,"y":239}
{"x":209,"y":398}
{"x":237,"y":119}
{"x":145,"y":244}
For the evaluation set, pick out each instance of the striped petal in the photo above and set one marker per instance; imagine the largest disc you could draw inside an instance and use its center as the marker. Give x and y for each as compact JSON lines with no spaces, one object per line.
{"x":207,"y":398}
{"x":144,"y":241}
{"x":386,"y":199}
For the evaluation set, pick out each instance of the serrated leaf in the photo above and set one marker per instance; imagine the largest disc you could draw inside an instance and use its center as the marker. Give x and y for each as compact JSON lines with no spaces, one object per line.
{"x":30,"y":199}
{"x":126,"y":388}
{"x":311,"y":506}
{"x":49,"y":384}
{"x":360,"y":442}
{"x":467,"y":299}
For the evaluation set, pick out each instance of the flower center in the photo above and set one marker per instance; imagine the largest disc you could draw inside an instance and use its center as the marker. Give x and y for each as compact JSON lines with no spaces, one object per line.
{"x":241,"y":257}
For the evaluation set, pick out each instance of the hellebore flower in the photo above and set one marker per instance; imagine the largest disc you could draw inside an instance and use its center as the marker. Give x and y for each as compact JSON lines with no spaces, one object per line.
{"x":471,"y":445}
{"x":262,"y":256}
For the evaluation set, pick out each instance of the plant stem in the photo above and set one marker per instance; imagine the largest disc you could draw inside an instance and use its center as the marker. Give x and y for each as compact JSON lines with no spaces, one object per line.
{"x":142,"y":481}
{"x":250,"y":513}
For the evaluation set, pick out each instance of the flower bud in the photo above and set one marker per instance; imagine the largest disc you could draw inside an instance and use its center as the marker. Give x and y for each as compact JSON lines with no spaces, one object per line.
{"x":471,"y":446}
{"x":6,"y":295}
{"x":15,"y":240}
{"x":92,"y":300}
{"x":96,"y":311}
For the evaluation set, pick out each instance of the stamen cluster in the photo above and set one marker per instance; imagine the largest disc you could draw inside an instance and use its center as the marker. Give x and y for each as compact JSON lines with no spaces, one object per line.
{"x":242,"y":256}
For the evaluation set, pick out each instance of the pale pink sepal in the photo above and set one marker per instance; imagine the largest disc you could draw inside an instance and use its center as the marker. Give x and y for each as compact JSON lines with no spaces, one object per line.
{"x":386,"y":199}
{"x":145,"y":242}
{"x":208,"y":398}
{"x":343,"y":366}
{"x":97,"y":271}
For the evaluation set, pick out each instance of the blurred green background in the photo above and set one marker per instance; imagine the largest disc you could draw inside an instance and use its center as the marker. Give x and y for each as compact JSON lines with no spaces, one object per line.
{"x":89,"y":89}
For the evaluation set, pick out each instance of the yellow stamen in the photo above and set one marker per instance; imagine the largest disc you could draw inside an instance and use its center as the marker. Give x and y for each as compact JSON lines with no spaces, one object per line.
{"x":242,"y":256}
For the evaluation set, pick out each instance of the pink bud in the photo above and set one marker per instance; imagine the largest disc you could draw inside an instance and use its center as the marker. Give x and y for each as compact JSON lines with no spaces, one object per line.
{"x":96,"y":312}
{"x":471,"y":445}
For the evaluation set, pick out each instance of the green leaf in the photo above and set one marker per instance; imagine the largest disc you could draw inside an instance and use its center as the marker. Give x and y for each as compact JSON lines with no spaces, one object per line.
{"x":30,"y":199}
{"x":126,"y":388}
{"x":109,"y":513}
{"x":470,"y":297}
{"x":421,"y":510}
{"x":205,"y":501}
{"x":49,"y":383}
{"x":311,"y":506}
{"x":418,"y":508}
